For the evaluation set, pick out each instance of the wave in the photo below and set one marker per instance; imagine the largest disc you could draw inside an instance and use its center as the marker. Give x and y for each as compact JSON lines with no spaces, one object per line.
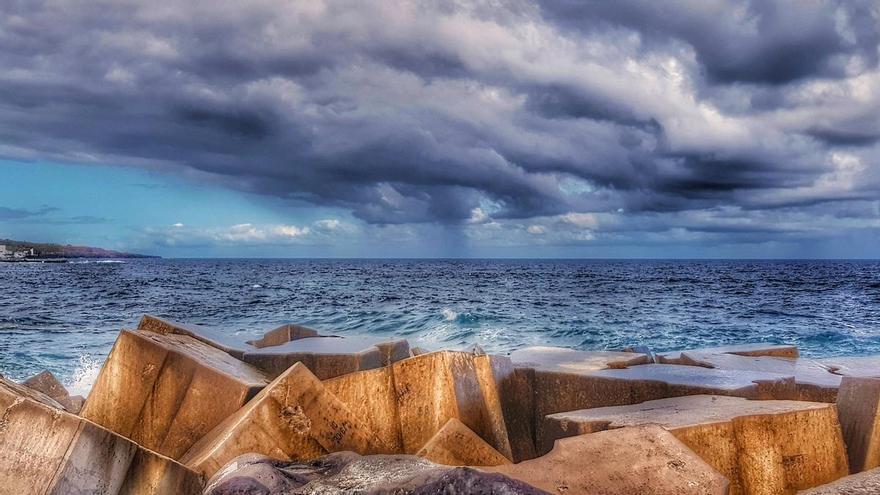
{"x":84,"y":376}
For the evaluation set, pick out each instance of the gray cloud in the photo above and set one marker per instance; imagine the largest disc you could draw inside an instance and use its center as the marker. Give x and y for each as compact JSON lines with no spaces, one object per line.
{"x":405,"y":113}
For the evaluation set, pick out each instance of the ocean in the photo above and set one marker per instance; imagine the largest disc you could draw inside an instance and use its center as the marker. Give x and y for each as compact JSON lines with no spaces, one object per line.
{"x":65,"y":317}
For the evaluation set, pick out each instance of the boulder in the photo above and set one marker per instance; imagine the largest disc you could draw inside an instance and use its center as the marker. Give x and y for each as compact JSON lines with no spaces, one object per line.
{"x":346,"y":472}
{"x":570,"y":380}
{"x":628,"y":461}
{"x":46,"y":383}
{"x":814,"y":380}
{"x":45,"y":450}
{"x":433,"y":388}
{"x":371,"y":395}
{"x":328,"y":357}
{"x":761,"y":447}
{"x":865,"y":483}
{"x":294,"y":417}
{"x":858,"y":405}
{"x":758,"y":349}
{"x":457,"y":445}
{"x":166,"y":391}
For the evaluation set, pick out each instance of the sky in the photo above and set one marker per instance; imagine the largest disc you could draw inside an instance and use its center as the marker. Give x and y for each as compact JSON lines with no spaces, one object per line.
{"x":587,"y":128}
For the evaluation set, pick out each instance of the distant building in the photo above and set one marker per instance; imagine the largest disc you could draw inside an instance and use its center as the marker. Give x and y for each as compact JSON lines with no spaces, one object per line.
{"x":4,"y":253}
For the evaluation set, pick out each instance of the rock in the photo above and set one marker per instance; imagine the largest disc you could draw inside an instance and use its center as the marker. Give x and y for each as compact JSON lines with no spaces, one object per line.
{"x":457,"y":445}
{"x":346,"y":472}
{"x":44,"y":450}
{"x":858,"y":405}
{"x":633,"y":460}
{"x":165,"y":391}
{"x":864,"y":366}
{"x":371,"y":395}
{"x":418,"y":351}
{"x":328,"y":357}
{"x":282,"y":335}
{"x":294,"y":417}
{"x":866,"y":483}
{"x":760,"y":446}
{"x":433,"y":388}
{"x":759,"y":349}
{"x":571,"y":380}
{"x":813,"y":380}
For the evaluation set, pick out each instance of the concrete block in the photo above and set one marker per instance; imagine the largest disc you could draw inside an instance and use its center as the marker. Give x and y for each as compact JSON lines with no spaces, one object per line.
{"x":46,"y":383}
{"x":166,"y":391}
{"x":758,"y":349}
{"x":633,"y":460}
{"x":561,"y":359}
{"x":571,"y":384}
{"x":283,"y":334}
{"x":433,"y":388}
{"x":495,"y":374}
{"x":865,"y":483}
{"x":814,"y":381}
{"x":761,"y":447}
{"x":371,"y":395}
{"x":328,"y":357}
{"x":457,"y":445}
{"x":294,"y":417}
{"x":864,"y":366}
{"x":44,"y":450}
{"x":214,"y":337}
{"x":858,"y":405}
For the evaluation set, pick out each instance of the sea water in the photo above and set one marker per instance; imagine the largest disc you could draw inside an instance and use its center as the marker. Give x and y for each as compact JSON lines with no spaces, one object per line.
{"x":65,"y":317}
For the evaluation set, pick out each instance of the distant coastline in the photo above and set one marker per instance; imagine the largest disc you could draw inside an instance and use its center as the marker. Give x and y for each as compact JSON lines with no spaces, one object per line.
{"x":11,"y":250}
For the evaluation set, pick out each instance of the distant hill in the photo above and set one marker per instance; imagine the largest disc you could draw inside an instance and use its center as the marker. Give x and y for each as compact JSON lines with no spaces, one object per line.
{"x":44,"y":250}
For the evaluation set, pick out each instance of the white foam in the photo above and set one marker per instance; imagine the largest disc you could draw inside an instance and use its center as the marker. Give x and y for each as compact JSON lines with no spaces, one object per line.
{"x":84,"y":376}
{"x":448,"y":314}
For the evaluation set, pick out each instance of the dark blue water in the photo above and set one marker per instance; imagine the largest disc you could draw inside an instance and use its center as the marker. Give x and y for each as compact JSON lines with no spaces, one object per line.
{"x":65,"y":317}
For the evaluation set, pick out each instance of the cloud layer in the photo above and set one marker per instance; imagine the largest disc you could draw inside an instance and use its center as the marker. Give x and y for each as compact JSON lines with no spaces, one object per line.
{"x":567,"y":120}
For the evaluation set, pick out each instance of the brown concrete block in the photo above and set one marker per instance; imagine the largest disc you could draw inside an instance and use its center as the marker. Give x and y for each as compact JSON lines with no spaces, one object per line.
{"x":282,"y":335}
{"x":328,"y":357}
{"x":371,"y":395}
{"x":585,"y":380}
{"x":561,"y":359}
{"x":44,"y":450}
{"x":814,"y":381}
{"x":46,"y":383}
{"x":495,"y":375}
{"x":858,"y":404}
{"x":166,"y":391}
{"x":225,"y":341}
{"x":457,"y":445}
{"x":759,"y":349}
{"x":765,"y":446}
{"x":432,"y":389}
{"x":294,"y":417}
{"x":865,"y":483}
{"x":633,"y":460}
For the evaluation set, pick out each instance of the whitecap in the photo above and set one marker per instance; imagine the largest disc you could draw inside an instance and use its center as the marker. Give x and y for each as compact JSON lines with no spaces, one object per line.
{"x":448,"y":314}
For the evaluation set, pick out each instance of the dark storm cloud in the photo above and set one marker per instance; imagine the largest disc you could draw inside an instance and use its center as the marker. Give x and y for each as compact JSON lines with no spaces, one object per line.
{"x":447,"y":112}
